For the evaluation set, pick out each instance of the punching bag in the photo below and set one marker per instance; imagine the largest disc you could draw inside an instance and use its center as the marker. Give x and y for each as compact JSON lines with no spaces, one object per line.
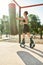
{"x":12,"y":15}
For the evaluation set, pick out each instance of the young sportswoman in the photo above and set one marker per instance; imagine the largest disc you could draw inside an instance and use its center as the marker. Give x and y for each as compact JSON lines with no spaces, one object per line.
{"x":25,"y":23}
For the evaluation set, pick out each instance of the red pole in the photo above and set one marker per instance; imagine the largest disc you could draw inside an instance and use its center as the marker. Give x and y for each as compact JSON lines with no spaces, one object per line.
{"x":33,"y":5}
{"x":19,"y":25}
{"x":16,"y":3}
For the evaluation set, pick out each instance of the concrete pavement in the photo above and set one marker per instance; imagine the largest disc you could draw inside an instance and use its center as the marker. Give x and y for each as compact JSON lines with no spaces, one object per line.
{"x":13,"y":54}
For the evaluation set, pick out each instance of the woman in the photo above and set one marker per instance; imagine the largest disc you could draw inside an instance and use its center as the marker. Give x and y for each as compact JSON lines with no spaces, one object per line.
{"x":25,"y":23}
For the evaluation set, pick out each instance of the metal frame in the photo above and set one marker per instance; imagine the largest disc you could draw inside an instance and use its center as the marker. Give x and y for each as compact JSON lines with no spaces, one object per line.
{"x":32,"y":5}
{"x":19,"y":25}
{"x":20,"y":7}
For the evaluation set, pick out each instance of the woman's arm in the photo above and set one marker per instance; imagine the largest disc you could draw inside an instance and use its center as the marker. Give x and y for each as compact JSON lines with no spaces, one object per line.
{"x":19,"y":19}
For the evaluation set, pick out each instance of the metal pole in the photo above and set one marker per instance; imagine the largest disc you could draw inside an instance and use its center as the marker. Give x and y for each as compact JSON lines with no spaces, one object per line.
{"x":19,"y":25}
{"x":32,"y":5}
{"x":16,"y":3}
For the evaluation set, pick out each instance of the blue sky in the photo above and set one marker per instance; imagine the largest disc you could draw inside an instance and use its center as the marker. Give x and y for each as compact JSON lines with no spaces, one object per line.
{"x":29,"y":2}
{"x":34,"y":10}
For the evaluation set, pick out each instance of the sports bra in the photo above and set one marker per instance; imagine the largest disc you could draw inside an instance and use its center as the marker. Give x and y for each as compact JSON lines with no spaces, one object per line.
{"x":24,"y":20}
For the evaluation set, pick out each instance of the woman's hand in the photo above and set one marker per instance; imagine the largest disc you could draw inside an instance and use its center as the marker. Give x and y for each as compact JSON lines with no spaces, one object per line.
{"x":16,"y":18}
{"x":21,"y":23}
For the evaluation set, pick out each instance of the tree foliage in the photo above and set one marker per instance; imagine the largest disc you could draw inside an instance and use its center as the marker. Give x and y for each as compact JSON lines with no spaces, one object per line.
{"x":35,"y":23}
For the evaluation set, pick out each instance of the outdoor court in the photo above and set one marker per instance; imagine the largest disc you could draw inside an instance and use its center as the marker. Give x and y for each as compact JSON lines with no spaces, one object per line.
{"x":12,"y":54}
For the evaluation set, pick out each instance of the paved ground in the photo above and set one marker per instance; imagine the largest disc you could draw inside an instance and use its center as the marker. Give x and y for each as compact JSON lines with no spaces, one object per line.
{"x":13,"y":54}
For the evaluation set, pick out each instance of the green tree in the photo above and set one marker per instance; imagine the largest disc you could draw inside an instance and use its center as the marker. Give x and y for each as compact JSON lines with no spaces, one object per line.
{"x":35,"y":23}
{"x":41,"y":31}
{"x":5,"y":25}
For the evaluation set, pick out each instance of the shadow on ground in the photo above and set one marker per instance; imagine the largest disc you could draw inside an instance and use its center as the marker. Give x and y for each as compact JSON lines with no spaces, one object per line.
{"x":38,"y":50}
{"x":28,"y":59}
{"x":34,"y":51}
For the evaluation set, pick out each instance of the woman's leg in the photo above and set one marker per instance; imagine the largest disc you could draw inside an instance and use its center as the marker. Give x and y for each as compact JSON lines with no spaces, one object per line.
{"x":28,"y":34}
{"x":23,"y":38}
